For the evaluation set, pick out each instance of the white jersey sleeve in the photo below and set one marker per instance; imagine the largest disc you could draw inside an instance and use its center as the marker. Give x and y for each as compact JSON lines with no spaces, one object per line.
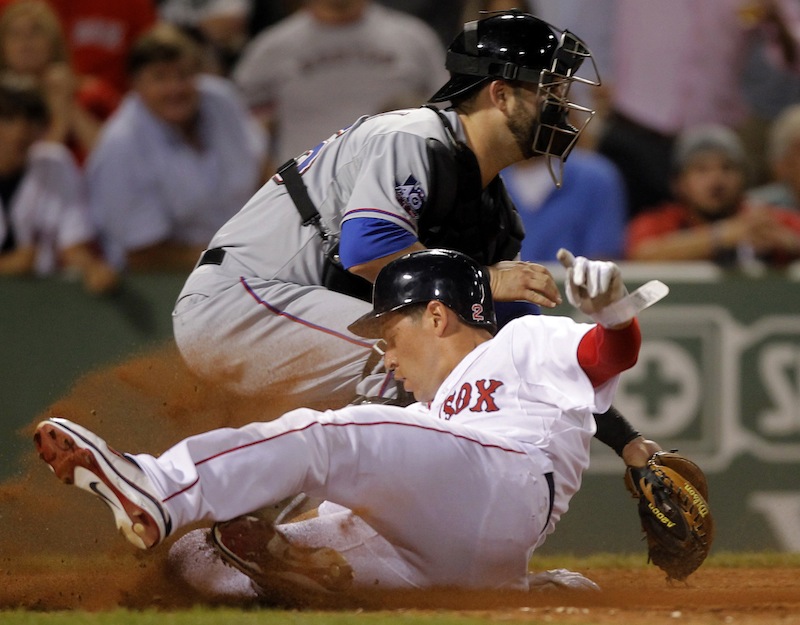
{"x":546,"y":357}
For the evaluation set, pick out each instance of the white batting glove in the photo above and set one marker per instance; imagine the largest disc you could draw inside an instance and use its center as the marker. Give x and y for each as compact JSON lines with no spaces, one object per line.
{"x":595,"y":288}
{"x":591,"y":285}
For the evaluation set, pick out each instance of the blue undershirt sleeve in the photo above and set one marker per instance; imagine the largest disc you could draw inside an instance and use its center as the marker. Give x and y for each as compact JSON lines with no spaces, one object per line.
{"x":365,"y":239}
{"x":507,"y":311}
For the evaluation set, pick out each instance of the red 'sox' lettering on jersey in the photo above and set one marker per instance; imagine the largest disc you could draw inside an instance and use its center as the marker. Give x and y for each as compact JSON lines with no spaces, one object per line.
{"x":483,"y":391}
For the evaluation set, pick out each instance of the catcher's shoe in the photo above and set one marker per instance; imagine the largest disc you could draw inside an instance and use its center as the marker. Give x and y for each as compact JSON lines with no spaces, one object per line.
{"x":79,"y":457}
{"x":253,"y":546}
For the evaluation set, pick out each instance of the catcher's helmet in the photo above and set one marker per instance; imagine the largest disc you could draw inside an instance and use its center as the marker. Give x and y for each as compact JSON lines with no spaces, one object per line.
{"x":450,"y":277}
{"x":512,"y":45}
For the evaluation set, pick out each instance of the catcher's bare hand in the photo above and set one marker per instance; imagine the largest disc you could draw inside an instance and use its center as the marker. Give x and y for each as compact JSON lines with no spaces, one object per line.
{"x":516,"y":280}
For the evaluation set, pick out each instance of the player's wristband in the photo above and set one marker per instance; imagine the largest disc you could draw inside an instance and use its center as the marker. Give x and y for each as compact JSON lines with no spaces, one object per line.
{"x":614,"y":430}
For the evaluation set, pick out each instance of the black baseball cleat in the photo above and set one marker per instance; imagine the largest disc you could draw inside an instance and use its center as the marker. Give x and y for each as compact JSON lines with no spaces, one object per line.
{"x":254,"y":547}
{"x":79,"y":457}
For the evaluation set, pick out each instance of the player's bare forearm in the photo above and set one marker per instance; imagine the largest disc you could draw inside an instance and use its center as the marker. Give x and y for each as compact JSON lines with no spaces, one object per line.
{"x":516,"y":280}
{"x":369,"y":270}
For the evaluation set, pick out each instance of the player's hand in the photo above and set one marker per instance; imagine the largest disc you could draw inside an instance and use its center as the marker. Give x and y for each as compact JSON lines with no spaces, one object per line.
{"x":638,"y":451}
{"x":591,"y":285}
{"x":516,"y":281}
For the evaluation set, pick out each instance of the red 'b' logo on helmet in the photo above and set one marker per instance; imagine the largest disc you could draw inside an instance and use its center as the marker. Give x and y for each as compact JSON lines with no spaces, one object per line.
{"x":477,"y":312}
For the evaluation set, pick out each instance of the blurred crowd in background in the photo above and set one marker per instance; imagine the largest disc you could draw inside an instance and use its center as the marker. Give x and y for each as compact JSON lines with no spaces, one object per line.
{"x":131,"y":131}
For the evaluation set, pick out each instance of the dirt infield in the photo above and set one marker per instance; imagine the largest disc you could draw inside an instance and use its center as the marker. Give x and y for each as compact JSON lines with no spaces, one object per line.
{"x":59,"y":551}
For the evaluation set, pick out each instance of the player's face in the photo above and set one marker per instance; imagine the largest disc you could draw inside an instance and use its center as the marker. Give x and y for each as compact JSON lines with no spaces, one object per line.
{"x":523,"y":117}
{"x":169,"y":90}
{"x":711,"y":184}
{"x":411,"y":353}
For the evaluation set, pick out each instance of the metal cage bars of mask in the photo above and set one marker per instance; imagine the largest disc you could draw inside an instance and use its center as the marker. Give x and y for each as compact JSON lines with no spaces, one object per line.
{"x":561,"y":122}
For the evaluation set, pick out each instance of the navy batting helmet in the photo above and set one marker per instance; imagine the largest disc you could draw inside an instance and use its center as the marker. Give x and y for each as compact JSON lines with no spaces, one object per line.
{"x":450,"y":277}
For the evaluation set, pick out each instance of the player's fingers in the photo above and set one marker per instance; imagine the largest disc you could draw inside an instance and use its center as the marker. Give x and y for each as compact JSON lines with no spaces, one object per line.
{"x":599,"y":279}
{"x":539,"y":286}
{"x":579,"y":271}
{"x":541,"y":299}
{"x":565,"y":257}
{"x":611,"y":275}
{"x":544,"y":285}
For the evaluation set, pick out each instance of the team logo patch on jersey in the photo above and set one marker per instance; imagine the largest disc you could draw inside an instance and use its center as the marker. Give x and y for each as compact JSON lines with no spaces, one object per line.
{"x":410,"y":195}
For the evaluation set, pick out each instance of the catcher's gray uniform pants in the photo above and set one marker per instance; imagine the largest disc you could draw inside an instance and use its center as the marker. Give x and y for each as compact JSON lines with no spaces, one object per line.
{"x":257,"y":336}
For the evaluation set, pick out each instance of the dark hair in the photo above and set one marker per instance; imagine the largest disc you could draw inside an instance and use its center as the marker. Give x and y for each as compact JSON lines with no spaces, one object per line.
{"x":20,"y":97}
{"x":465,"y":101}
{"x":162,"y":43}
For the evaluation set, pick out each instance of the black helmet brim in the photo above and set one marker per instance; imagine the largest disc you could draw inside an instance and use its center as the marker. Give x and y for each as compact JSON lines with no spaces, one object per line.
{"x":368,"y":326}
{"x":457,"y":85}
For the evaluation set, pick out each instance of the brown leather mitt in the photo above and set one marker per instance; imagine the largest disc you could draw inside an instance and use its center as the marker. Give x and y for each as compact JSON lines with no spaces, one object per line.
{"x":673,"y":507}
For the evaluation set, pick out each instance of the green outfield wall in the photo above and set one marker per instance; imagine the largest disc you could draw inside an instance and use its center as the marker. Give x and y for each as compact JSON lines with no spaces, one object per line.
{"x":718,"y":378}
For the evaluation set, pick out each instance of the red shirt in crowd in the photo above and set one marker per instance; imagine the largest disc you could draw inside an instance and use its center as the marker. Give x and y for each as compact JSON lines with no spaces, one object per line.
{"x":100,"y":33}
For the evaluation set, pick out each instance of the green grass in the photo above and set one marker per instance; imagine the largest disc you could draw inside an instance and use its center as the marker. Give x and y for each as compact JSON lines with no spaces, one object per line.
{"x":237,"y":617}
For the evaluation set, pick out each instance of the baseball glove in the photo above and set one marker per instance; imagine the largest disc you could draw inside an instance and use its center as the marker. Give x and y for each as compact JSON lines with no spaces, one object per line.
{"x":676,"y":520}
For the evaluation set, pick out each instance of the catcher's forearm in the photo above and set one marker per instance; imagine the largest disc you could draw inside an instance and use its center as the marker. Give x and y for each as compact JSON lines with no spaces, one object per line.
{"x":614,"y":430}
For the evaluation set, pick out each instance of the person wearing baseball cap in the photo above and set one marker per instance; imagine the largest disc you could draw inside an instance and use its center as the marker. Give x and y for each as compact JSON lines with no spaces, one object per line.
{"x":710,"y":218}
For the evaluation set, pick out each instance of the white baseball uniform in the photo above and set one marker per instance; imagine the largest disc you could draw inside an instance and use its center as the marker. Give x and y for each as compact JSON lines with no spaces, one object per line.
{"x":261,"y":320}
{"x":451,"y":493}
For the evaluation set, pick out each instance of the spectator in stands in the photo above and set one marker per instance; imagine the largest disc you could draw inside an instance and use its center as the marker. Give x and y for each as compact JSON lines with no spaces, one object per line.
{"x":678,"y":64}
{"x":587,"y":215}
{"x":101,"y":32}
{"x":783,"y":152}
{"x":323,"y":66}
{"x":445,"y":17}
{"x":711,"y":220}
{"x":32,"y":44}
{"x":220,"y":26}
{"x":265,"y":14}
{"x":44,"y":222}
{"x":177,"y":159}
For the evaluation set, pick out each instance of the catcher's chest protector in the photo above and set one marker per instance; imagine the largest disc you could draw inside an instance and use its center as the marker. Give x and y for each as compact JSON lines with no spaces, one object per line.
{"x":459,"y":214}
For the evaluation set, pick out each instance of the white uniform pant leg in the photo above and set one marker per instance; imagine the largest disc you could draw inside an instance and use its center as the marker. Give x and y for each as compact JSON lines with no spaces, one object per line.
{"x":375,"y":562}
{"x":259,"y":336}
{"x":460,"y":506}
